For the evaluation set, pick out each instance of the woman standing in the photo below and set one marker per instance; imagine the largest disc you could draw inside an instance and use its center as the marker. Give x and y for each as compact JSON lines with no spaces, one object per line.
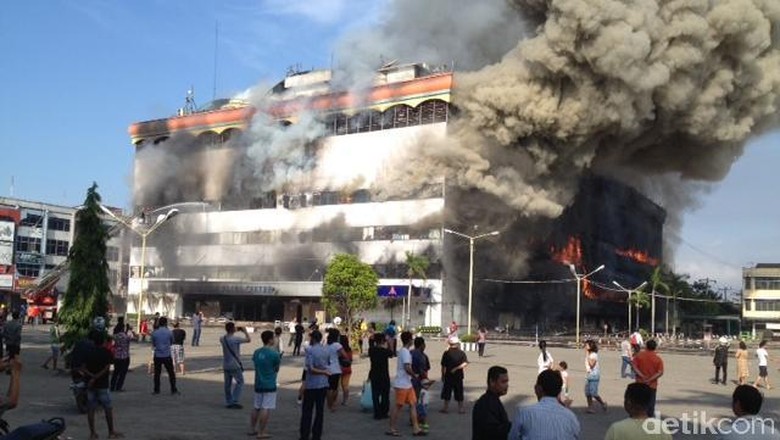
{"x":592,"y":376}
{"x":346,"y":368}
{"x":121,"y":356}
{"x":545,"y":360}
{"x":743,"y":369}
{"x":336,"y":354}
{"x":481,"y":340}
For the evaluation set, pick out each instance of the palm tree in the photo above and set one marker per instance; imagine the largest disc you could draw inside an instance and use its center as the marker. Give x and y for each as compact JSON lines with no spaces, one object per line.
{"x":639,"y":300}
{"x":417,"y":266}
{"x":677,"y":284}
{"x":657,"y":283}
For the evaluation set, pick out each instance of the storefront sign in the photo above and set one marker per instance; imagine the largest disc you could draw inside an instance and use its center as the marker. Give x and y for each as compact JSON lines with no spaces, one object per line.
{"x":6,"y":281}
{"x":396,"y":291}
{"x":7,"y":231}
{"x":6,"y":254}
{"x":29,"y":258}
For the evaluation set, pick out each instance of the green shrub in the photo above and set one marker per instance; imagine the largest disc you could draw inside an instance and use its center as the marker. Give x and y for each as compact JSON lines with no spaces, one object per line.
{"x":429,"y":330}
{"x":469,"y":338}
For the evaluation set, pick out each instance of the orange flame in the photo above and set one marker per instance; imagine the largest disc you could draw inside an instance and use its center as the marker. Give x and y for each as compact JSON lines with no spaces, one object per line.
{"x":638,"y":256}
{"x":571,"y":253}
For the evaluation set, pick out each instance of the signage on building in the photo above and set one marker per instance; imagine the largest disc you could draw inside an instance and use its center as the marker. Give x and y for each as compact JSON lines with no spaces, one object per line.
{"x":24,"y":283}
{"x":7,"y":231}
{"x":6,"y":254}
{"x":6,"y":281}
{"x":393,"y":291}
{"x":29,"y":258}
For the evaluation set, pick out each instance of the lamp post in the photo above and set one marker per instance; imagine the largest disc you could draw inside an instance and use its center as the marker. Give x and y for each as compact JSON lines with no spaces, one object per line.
{"x":579,"y":278}
{"x":629,"y":292}
{"x":471,"y":262}
{"x":144,"y":232}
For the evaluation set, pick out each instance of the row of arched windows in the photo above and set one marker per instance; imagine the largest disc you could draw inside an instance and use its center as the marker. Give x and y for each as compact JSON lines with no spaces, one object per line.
{"x":397,"y":116}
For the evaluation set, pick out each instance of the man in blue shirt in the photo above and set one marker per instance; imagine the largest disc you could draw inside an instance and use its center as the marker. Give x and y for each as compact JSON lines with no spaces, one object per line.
{"x":197,"y":325}
{"x":316,"y":387}
{"x":266,"y":360}
{"x":548,"y":419}
{"x":231,"y":364}
{"x":162,"y":339}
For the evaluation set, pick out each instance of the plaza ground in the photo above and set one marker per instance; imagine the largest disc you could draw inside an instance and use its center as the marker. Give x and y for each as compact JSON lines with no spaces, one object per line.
{"x":199,"y":412}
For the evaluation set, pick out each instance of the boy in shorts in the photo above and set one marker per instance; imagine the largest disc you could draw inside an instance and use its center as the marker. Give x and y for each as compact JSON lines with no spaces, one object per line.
{"x":404,"y":390}
{"x":266,"y":360}
{"x":98,"y":362}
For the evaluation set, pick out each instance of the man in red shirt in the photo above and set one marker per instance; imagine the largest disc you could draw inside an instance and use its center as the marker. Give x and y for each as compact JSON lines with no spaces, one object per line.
{"x":649,"y":367}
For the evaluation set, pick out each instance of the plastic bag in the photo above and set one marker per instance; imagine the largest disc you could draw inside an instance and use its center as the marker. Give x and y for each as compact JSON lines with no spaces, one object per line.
{"x":366,"y":401}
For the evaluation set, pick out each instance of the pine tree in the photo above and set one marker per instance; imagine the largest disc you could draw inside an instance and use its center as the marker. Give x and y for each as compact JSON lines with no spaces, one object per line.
{"x":87,"y":295}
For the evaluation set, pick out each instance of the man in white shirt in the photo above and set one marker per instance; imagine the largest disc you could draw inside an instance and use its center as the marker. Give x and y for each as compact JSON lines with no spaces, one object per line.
{"x":763,"y":365}
{"x":404,"y":391}
{"x":547,"y":419}
{"x":746,"y":403}
{"x":625,"y":355}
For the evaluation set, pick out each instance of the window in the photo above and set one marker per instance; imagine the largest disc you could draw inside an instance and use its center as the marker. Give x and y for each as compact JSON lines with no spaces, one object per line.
{"x":59,"y":224}
{"x":28,"y":270}
{"x":747,"y":305}
{"x":33,"y":220}
{"x":27,"y":244}
{"x":112,"y":253}
{"x":748,"y":285}
{"x":767,"y":305}
{"x":57,"y":247}
{"x":767,"y":283}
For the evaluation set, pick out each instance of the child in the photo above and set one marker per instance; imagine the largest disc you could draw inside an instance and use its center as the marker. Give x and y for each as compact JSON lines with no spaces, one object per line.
{"x":564,"y":396}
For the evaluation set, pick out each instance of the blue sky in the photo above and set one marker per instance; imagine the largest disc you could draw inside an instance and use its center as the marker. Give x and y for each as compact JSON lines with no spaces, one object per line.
{"x":76,"y":73}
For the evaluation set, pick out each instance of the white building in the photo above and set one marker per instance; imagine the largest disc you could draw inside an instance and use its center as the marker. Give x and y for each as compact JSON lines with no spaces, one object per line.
{"x":761,"y":296}
{"x":36,"y":239}
{"x":260,"y":256}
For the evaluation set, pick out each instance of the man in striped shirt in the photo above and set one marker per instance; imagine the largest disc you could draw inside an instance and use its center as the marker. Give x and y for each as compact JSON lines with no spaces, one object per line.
{"x":547,"y":419}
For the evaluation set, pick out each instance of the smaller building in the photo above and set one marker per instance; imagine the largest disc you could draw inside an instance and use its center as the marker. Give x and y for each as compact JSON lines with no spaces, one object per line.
{"x":35,"y":239}
{"x":761,"y":297}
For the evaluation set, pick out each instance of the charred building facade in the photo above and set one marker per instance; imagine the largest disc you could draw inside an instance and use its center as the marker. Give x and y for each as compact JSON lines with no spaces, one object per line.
{"x":284,"y":182}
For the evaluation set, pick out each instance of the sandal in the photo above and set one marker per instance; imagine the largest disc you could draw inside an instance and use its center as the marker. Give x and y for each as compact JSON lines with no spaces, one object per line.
{"x":393,"y":433}
{"x":420,"y":433}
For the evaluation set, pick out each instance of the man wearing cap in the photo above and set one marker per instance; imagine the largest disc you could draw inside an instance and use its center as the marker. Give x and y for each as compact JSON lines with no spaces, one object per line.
{"x":453,"y":363}
{"x":721,"y":359}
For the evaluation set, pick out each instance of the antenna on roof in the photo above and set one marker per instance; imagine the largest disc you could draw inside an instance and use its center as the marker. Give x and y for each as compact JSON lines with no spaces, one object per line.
{"x":189,"y":103}
{"x":216,"y":58}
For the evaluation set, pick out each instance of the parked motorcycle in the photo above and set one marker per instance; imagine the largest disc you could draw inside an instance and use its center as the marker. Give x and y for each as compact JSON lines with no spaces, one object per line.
{"x":43,"y":430}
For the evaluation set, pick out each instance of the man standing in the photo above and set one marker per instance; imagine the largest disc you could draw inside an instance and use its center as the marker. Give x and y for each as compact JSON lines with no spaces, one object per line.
{"x":162,"y":340}
{"x":299,"y":329}
{"x":12,"y":333}
{"x":177,"y":349}
{"x":488,"y":418}
{"x":453,"y":363}
{"x":721,"y":359}
{"x":266,"y":360}
{"x":625,"y":354}
{"x":746,"y":403}
{"x":379,"y":375}
{"x":547,"y":419}
{"x":635,"y":402}
{"x":197,"y":325}
{"x":316,"y":387}
{"x":98,"y":362}
{"x":649,"y":367}
{"x":404,"y":392}
{"x":231,"y":363}
{"x":420,"y":366}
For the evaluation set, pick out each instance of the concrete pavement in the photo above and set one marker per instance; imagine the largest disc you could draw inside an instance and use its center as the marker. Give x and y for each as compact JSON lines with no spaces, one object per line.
{"x":199,"y":413}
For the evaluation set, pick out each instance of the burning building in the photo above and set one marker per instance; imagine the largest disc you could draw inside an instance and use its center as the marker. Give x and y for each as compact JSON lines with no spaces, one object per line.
{"x":649,"y":95}
{"x":257,"y":246}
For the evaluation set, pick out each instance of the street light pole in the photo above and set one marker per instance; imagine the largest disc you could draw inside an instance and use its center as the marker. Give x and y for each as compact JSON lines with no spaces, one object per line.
{"x":629,"y":292}
{"x":579,"y":279}
{"x":471,"y":240}
{"x":143,"y":233}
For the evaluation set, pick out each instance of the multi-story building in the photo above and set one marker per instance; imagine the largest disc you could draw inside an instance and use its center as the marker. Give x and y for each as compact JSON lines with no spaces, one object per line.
{"x":260,"y":254}
{"x":35,"y":238}
{"x":761,"y":296}
{"x":272,"y":209}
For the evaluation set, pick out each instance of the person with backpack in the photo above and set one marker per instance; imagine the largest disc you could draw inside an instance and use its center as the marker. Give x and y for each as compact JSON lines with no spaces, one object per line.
{"x":231,"y":363}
